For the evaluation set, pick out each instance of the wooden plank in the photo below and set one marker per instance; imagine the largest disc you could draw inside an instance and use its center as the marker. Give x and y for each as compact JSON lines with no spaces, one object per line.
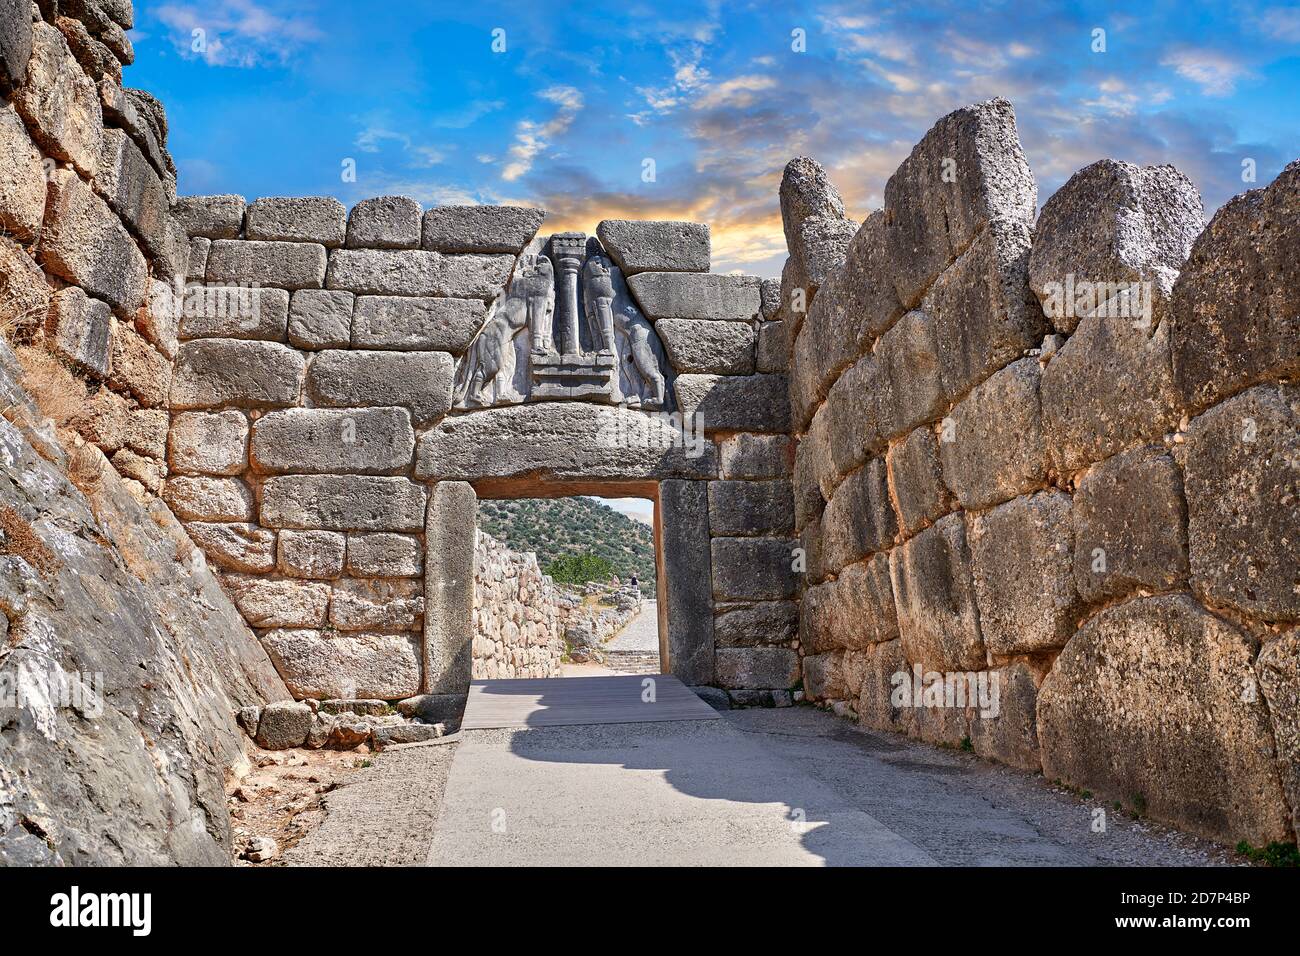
{"x":561,"y":701}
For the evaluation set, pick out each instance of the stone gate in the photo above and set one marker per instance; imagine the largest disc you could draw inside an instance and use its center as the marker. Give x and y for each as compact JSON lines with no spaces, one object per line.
{"x":347,"y":384}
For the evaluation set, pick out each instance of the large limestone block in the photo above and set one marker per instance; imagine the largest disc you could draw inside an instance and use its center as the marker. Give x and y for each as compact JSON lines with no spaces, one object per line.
{"x":720,"y":348}
{"x":991,"y":444}
{"x":136,"y":193}
{"x":1242,"y":474}
{"x":416,"y":324}
{"x":755,"y":456}
{"x":854,"y":611}
{"x":267,"y":602}
{"x":1155,"y":703}
{"x":236,"y":546}
{"x":384,"y":554}
{"x":60,"y":102}
{"x":281,"y":265}
{"x":806,"y":191}
{"x":317,"y":441}
{"x":234,"y":312}
{"x":450,"y":534}
{"x":859,"y":519}
{"x":146,"y":433}
{"x":379,"y":606}
{"x":1008,"y":730}
{"x":138,"y":367}
{"x":331,"y":666}
{"x":283,"y":724}
{"x":342,"y":503}
{"x":15,"y":42}
{"x":769,"y":293}
{"x":311,"y":554}
{"x":386,"y":222}
{"x":852,"y":412}
{"x":984,"y":314}
{"x":561,"y":440}
{"x":215,"y":373}
{"x":205,"y":498}
{"x":696,"y":295}
{"x":823,"y":245}
{"x":1236,"y":303}
{"x":419,"y":273}
{"x":968,"y":169}
{"x":753,"y":569}
{"x":1130,"y":526}
{"x":78,"y":330}
{"x":772,"y":351}
{"x":420,"y":381}
{"x":750,"y":508}
{"x":756,"y":668}
{"x":196,"y":267}
{"x":656,"y":246}
{"x":935,"y":598}
{"x":688,"y":580}
{"x":212,"y":217}
{"x":1109,"y":387}
{"x":23,"y":287}
{"x":210,"y":443}
{"x":319,"y":219}
{"x":853,"y":308}
{"x":916,"y":481}
{"x":320,"y":319}
{"x":756,"y":625}
{"x":85,"y":243}
{"x":1113,"y":222}
{"x":815,"y":478}
{"x":1278,"y":666}
{"x":480,"y":228}
{"x":1022,"y":555}
{"x":876,"y":702}
{"x":910,"y":390}
{"x":824,"y":677}
{"x":22,"y":178}
{"x":743,"y":403}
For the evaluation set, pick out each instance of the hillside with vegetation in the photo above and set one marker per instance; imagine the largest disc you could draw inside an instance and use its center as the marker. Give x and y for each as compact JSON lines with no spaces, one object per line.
{"x":580,"y":533}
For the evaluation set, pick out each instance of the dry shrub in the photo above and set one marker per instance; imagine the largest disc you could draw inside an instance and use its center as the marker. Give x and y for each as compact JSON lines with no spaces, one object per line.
{"x":58,"y":393}
{"x":20,"y":539}
{"x":85,"y":464}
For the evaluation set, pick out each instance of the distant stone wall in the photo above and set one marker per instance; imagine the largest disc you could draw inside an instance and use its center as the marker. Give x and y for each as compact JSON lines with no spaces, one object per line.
{"x":1056,"y":461}
{"x":518,"y":631}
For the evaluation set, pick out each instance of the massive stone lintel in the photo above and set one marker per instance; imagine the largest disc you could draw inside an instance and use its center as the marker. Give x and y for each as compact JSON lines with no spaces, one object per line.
{"x":564,"y":440}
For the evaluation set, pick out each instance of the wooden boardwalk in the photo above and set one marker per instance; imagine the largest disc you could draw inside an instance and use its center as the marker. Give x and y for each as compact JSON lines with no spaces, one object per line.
{"x":556,"y":701}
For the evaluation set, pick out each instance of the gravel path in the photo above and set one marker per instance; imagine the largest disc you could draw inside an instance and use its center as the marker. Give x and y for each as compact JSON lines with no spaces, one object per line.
{"x":641,"y":633}
{"x":385,"y":814}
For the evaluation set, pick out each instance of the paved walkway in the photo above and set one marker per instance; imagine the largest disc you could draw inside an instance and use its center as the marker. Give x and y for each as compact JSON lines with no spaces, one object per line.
{"x":641,"y":633}
{"x":793,"y":787}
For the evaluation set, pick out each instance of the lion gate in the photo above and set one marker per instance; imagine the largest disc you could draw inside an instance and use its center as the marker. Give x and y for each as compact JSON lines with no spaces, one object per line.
{"x":348,"y":383}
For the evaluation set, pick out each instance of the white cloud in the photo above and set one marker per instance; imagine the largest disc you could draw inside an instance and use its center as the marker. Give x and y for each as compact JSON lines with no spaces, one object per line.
{"x":1214,"y":72}
{"x":239,"y":33}
{"x":532,"y":137}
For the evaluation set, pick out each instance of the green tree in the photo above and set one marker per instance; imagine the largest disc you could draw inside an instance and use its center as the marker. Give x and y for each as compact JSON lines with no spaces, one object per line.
{"x":580,"y":568}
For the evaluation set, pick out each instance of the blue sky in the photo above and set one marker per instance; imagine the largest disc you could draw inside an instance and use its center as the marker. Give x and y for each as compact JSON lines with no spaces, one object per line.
{"x":283,"y":93}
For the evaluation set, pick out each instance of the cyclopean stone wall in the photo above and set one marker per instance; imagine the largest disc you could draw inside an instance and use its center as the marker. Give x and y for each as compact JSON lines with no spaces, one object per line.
{"x":337,"y":368}
{"x":1079,"y":498}
{"x":122,"y":662}
{"x":518,"y":631}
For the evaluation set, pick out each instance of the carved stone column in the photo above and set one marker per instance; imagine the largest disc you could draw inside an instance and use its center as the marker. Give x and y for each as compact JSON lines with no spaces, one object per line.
{"x":568,"y":250}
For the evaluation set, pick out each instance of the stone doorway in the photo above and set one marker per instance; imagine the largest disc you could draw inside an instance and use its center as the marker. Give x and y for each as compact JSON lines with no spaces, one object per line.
{"x":566,"y":586}
{"x":681,"y":545}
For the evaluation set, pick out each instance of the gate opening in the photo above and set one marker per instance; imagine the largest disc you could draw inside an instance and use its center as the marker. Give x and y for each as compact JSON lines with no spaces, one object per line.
{"x":567,"y":586}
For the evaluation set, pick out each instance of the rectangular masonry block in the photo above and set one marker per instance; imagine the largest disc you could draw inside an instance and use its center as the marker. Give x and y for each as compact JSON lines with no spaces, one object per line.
{"x":342,"y":503}
{"x":323,"y":440}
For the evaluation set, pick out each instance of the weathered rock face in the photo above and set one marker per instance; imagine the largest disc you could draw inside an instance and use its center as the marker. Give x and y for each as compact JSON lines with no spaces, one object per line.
{"x":1155,"y":703}
{"x":1006,"y":441}
{"x":126,"y":659}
